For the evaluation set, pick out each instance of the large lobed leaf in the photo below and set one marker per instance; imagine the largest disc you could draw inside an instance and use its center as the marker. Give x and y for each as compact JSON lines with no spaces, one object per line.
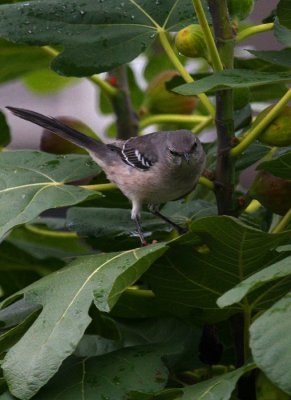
{"x":237,"y":78}
{"x":17,"y":60}
{"x":32,"y":182}
{"x":218,"y":388}
{"x":270,"y":343}
{"x":279,"y":270}
{"x":193,"y":277}
{"x":66,"y":297}
{"x":280,"y":57}
{"x":111,"y":376}
{"x":97,"y":35}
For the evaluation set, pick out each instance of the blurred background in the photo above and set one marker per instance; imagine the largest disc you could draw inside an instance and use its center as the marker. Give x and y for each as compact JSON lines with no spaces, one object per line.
{"x":80,"y":98}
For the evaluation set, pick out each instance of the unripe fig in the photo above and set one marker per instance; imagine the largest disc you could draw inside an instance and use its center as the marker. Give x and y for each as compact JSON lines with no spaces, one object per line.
{"x":278,"y":132}
{"x":240,"y":9}
{"x":190,"y":42}
{"x":158,"y":100}
{"x":272,"y":192}
{"x":54,"y":144}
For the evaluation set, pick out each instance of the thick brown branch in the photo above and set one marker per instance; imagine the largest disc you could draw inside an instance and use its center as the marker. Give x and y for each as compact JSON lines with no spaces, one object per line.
{"x":126,"y":118}
{"x":224,"y":110}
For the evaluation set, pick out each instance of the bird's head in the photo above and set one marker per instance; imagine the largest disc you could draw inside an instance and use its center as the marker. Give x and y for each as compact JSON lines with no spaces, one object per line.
{"x":184,"y":148}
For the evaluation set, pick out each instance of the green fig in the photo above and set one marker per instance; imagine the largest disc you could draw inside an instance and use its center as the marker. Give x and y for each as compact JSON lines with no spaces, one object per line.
{"x":278,"y":132}
{"x":190,"y":42}
{"x":240,"y":9}
{"x":54,"y":144}
{"x":272,"y":192}
{"x":159,"y":100}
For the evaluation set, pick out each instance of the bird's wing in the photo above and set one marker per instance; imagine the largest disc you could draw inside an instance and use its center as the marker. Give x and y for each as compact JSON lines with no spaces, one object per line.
{"x":138,"y":152}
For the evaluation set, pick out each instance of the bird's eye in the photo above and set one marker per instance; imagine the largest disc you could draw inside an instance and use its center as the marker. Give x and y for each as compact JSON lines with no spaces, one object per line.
{"x":194,"y":147}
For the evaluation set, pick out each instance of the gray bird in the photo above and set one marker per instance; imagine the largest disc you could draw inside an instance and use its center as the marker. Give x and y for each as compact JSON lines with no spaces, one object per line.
{"x":151,"y":169}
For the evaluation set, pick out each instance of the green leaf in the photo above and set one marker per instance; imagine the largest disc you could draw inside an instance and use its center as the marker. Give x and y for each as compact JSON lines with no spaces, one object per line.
{"x":252,"y":154}
{"x":283,"y":34}
{"x":46,"y":81}
{"x":15,"y":313}
{"x":66,"y":297}
{"x":218,"y":388}
{"x":135,"y":303}
{"x":232,"y":79}
{"x":117,"y":31}
{"x":32,"y":182}
{"x":284,"y":13}
{"x":98,"y":222}
{"x":11,"y":337}
{"x":197,"y":275}
{"x":270,"y":343}
{"x":51,"y":244}
{"x":17,"y":60}
{"x":4,"y":131}
{"x":18,"y":268}
{"x":281,"y":57}
{"x":14,"y":259}
{"x":111,"y":376}
{"x":281,"y":269}
{"x":280,"y":166}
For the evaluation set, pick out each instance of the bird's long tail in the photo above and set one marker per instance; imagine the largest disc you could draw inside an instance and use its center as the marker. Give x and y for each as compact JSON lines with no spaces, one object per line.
{"x":58,"y":128}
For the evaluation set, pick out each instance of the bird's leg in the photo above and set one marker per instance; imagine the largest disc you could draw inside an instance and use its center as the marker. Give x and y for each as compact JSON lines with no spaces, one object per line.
{"x":178,"y":228}
{"x":139,"y":231}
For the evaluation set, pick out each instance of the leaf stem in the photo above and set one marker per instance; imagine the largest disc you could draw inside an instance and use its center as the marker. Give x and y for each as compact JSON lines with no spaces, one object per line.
{"x":103,"y":85}
{"x":50,"y":233}
{"x":212,"y":49}
{"x":253,"y":207}
{"x":253,"y":30}
{"x":282,"y":224}
{"x":253,"y":133}
{"x":199,"y":127}
{"x":206,"y":182}
{"x":101,"y":187}
{"x":155,"y":119}
{"x":184,"y":73}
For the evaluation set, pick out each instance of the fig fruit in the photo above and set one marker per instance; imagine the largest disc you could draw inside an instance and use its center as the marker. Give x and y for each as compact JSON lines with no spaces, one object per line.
{"x":159,"y":100}
{"x":272,"y":192}
{"x":278,"y":132}
{"x":54,"y":144}
{"x":240,"y":9}
{"x":190,"y":42}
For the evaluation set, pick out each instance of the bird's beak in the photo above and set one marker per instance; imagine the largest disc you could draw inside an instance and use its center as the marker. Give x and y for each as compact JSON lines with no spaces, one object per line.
{"x":187,"y":157}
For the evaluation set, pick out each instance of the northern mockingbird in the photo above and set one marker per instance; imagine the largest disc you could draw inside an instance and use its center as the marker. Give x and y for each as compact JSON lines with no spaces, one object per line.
{"x":150,"y":169}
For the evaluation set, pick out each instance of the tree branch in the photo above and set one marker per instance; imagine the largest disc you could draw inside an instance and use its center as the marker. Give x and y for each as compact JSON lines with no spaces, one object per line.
{"x":126,"y":118}
{"x":224,"y":38}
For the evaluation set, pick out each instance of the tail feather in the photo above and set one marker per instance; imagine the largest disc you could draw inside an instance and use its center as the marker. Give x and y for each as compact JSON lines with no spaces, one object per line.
{"x":58,"y":128}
